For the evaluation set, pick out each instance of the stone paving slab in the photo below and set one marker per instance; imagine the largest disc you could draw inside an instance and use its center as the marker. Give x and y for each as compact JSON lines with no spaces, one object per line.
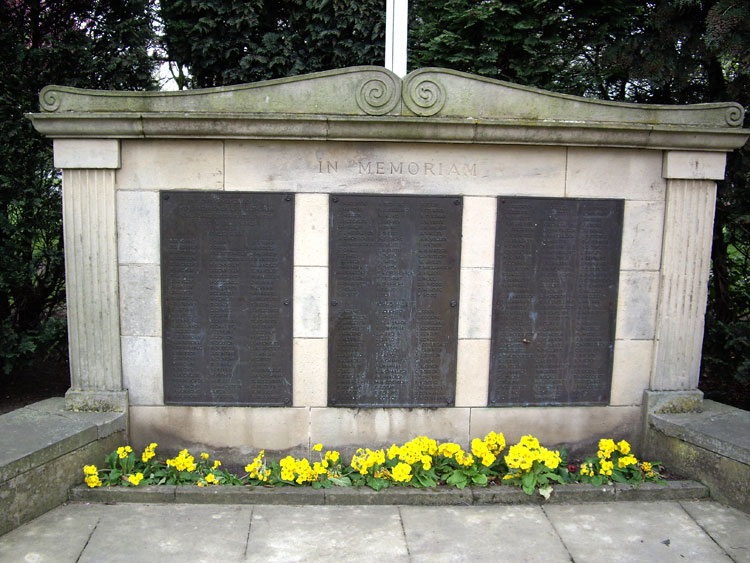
{"x":729,"y":527}
{"x":634,"y":531}
{"x":481,"y":533}
{"x":662,"y":531}
{"x":317,"y":533}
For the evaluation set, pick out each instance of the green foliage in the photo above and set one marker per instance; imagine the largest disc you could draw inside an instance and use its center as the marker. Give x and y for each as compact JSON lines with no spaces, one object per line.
{"x":222,"y":42}
{"x":71,"y":42}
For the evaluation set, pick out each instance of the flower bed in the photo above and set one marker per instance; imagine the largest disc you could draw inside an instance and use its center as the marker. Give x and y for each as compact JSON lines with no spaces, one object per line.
{"x":421,"y":462}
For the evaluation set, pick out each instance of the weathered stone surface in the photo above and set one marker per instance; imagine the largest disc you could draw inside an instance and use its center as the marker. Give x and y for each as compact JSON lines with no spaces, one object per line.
{"x":325,"y":533}
{"x":142,"y":372}
{"x":167,"y":165}
{"x":727,"y":526}
{"x":140,"y":300}
{"x":310,"y":372}
{"x":719,"y":428}
{"x":631,"y":371}
{"x":138,"y":227}
{"x":481,"y":533}
{"x":614,"y":173}
{"x":658,"y":531}
{"x":643,"y":223}
{"x":44,"y":485}
{"x":236,"y":434}
{"x":727,"y":479}
{"x":311,"y":230}
{"x":472,"y":373}
{"x":571,"y":426}
{"x":384,"y":427}
{"x":688,"y":232}
{"x":636,"y":305}
{"x":693,"y":165}
{"x":477,"y":240}
{"x":87,"y":153}
{"x":673,"y":490}
{"x":581,"y":492}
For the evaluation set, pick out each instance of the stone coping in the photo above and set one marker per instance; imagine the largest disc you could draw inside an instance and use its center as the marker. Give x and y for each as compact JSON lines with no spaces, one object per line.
{"x":719,"y":428}
{"x":567,"y":494}
{"x":372,"y":104}
{"x":36,"y":434}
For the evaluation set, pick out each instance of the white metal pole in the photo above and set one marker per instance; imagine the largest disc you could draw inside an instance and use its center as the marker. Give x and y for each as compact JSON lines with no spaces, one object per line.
{"x":396,"y":30}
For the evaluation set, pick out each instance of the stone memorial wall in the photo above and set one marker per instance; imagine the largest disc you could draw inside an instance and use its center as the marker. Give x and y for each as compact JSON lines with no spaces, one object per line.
{"x":355,"y":259}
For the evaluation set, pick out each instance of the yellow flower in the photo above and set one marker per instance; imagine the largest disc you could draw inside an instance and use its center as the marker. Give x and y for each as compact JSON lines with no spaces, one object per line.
{"x":626,"y":460}
{"x":90,"y":470}
{"x":624,"y":447}
{"x":217,"y":463}
{"x":122,"y":452}
{"x":646,"y":466}
{"x":204,"y":455}
{"x":93,"y":481}
{"x":210,"y":478}
{"x":135,"y":479}
{"x":317,"y":447}
{"x":606,"y":467}
{"x":402,"y":473}
{"x":488,"y":459}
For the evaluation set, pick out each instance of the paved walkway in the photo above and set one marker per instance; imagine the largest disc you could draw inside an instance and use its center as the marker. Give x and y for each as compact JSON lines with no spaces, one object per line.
{"x":599,"y":532}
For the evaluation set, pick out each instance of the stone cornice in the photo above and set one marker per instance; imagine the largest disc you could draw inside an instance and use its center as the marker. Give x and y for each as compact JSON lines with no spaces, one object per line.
{"x":373,"y":104}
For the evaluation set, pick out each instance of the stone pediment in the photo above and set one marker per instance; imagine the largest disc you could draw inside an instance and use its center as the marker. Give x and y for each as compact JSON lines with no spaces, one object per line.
{"x":372,"y":103}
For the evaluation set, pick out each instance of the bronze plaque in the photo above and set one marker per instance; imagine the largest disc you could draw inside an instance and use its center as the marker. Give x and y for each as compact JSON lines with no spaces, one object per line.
{"x":554,"y":301}
{"x":393,"y":311}
{"x":227,"y":298}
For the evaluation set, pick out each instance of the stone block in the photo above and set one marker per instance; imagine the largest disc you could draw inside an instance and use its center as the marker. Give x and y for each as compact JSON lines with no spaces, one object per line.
{"x":235,"y":434}
{"x":138,"y":227}
{"x":151,"y":494}
{"x":503,"y":495}
{"x":631,"y":371}
{"x":395,"y":168}
{"x":615,"y":173}
{"x":694,"y":165}
{"x":383,"y":427}
{"x":310,"y":386}
{"x":636,"y":305}
{"x":475,"y":304}
{"x":310,"y":302}
{"x":477,"y":232}
{"x":93,"y":400}
{"x":86,"y":153}
{"x":724,"y":524}
{"x":402,"y":496}
{"x":140,"y":300}
{"x":171,"y":165}
{"x":311,"y":230}
{"x":472,"y":373}
{"x":142,"y":369}
{"x":672,"y":490}
{"x":680,"y":401}
{"x":581,"y":492}
{"x":579,"y":428}
{"x":643,"y":223}
{"x":45,"y":485}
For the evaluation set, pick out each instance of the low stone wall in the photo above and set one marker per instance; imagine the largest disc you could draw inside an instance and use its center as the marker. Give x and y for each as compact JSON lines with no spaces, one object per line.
{"x":712,"y":446}
{"x":42,"y":450}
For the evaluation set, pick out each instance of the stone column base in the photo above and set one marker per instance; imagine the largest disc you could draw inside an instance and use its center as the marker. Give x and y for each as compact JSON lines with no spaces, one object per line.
{"x":96,"y":401}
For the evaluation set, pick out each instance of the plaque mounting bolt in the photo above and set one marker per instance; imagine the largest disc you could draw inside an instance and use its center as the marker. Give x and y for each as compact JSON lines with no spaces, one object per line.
{"x":454,"y":303}
{"x":456,"y":202}
{"x":334,"y":303}
{"x":288,"y":198}
{"x":286,"y":301}
{"x":166,"y":196}
{"x":334,"y":199}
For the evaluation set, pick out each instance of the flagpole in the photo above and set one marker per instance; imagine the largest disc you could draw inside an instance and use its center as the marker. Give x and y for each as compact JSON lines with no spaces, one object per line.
{"x":396,"y":29}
